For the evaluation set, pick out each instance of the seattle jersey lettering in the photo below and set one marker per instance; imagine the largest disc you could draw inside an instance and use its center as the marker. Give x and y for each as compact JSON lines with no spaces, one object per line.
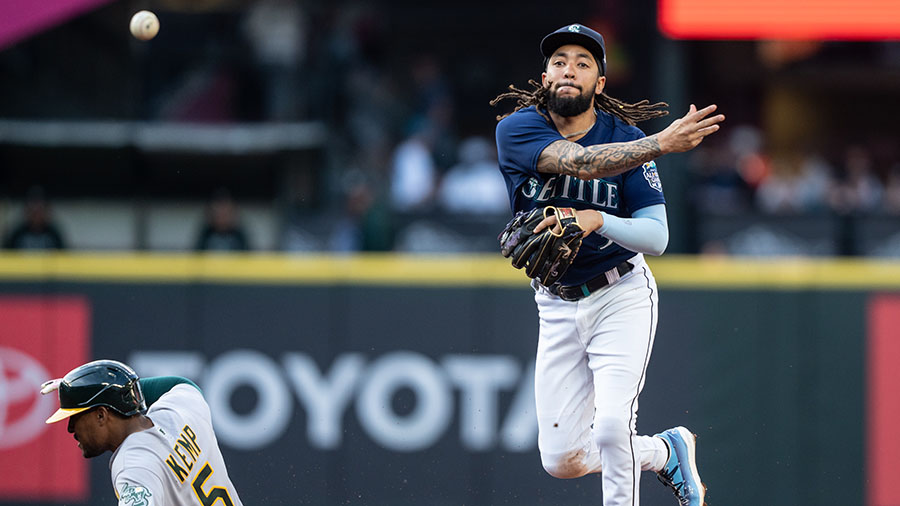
{"x":595,"y":191}
{"x":187,"y":451}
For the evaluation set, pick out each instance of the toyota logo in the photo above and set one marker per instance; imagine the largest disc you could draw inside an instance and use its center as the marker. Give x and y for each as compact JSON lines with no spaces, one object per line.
{"x":22,"y":408}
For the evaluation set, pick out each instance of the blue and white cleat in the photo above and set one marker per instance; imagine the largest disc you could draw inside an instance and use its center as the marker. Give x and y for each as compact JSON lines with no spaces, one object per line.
{"x":681,"y":473}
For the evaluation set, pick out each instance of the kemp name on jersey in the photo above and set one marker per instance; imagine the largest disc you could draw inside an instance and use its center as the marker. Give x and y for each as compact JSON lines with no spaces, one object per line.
{"x":187,"y":450}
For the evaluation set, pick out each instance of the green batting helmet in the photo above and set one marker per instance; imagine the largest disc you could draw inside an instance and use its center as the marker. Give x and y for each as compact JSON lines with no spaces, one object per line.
{"x":100,"y":383}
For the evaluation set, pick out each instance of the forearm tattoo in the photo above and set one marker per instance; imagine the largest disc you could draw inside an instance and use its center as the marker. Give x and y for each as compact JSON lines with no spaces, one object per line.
{"x":597,"y":161}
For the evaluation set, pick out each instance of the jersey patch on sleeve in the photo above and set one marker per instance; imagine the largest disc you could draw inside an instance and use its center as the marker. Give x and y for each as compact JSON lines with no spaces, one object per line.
{"x":652,"y":176}
{"x":135,"y":495}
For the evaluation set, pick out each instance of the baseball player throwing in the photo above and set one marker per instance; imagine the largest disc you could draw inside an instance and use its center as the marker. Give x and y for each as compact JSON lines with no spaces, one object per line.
{"x":570,"y":146}
{"x":165,"y":455}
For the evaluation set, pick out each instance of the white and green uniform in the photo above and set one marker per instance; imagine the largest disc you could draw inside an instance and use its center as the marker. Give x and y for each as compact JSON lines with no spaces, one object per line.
{"x":177,"y":462}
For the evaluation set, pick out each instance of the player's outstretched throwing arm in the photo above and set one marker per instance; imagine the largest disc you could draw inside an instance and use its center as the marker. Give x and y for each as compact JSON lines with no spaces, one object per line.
{"x":607,"y":160}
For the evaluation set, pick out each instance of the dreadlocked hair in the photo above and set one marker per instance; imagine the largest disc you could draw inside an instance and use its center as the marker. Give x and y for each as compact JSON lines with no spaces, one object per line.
{"x":629,"y":113}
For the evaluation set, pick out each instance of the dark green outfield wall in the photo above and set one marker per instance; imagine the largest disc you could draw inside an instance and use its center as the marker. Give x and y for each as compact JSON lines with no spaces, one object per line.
{"x":777,"y":391}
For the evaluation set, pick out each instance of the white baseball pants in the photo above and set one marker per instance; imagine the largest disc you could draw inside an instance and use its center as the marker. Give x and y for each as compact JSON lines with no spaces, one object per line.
{"x":591,"y":361}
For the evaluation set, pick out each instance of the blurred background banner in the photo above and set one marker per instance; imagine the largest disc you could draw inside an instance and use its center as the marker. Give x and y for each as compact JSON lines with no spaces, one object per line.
{"x":39,"y":336}
{"x":883,"y":404}
{"x":774,"y":19}
{"x":23,"y":18}
{"x":397,"y":380}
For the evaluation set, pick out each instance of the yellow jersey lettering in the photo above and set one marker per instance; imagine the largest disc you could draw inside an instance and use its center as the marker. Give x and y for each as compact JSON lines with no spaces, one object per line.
{"x":193,"y":437}
{"x":179,"y":471}
{"x":186,"y":442}
{"x":192,"y":450}
{"x":188,"y":465}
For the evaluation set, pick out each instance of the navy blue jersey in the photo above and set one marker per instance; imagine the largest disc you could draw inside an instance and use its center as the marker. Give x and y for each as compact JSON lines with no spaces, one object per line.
{"x":523,"y":135}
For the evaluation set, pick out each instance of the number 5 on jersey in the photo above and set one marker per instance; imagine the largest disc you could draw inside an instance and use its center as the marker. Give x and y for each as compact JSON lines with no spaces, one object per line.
{"x":214,"y":494}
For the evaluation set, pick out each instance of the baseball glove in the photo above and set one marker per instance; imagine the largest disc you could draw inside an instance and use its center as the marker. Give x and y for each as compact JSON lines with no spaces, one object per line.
{"x":546,"y":255}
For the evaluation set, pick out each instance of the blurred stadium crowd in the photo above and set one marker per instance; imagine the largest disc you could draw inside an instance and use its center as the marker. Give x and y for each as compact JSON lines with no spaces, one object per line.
{"x":402,"y":155}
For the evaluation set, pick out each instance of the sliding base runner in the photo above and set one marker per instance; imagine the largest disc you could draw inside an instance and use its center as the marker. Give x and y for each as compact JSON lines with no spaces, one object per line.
{"x":164,"y":455}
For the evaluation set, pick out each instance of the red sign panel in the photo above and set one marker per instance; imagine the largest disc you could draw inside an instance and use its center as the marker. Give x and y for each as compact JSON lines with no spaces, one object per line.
{"x":40,"y":338}
{"x":780,"y":19}
{"x":883,"y":402}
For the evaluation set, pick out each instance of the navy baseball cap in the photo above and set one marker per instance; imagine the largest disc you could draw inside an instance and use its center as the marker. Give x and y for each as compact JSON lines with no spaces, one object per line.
{"x":580,"y":35}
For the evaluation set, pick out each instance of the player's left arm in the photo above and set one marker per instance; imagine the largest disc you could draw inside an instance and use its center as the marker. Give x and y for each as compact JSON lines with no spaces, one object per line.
{"x":646,"y":231}
{"x":153,"y":388}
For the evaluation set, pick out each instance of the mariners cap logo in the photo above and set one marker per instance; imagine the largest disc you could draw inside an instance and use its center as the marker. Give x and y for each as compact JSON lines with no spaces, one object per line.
{"x":575,"y":28}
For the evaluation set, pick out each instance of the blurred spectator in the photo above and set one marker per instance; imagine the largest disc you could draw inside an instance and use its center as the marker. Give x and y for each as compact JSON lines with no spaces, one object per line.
{"x":373,"y":116}
{"x":222,"y":231}
{"x":858,"y":190}
{"x":796,"y":186}
{"x":727,"y":173}
{"x":776,"y":194}
{"x":892,"y":190}
{"x":718,"y":187}
{"x":746,"y":144}
{"x":816,"y":181}
{"x":363,"y":90}
{"x":37,"y":231}
{"x":413,"y":171}
{"x":276,"y":31}
{"x":365,"y":225}
{"x":361,"y":221}
{"x":429,"y":145}
{"x":347,"y":234}
{"x":474,"y":185}
{"x":433,"y":105}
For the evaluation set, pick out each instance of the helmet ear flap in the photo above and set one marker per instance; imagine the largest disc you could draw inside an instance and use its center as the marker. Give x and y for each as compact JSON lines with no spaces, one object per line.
{"x":134,"y":396}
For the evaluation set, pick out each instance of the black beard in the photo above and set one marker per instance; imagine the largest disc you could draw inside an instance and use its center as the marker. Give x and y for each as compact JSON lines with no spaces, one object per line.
{"x":568,"y":106}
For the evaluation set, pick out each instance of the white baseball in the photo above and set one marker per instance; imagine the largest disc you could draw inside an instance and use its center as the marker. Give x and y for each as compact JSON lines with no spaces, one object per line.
{"x":144,"y":25}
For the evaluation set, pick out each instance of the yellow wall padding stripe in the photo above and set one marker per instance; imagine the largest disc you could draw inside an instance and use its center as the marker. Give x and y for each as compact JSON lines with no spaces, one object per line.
{"x":672,"y":271}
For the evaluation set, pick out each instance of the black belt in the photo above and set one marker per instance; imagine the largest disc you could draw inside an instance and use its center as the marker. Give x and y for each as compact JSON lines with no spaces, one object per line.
{"x":578,"y":292}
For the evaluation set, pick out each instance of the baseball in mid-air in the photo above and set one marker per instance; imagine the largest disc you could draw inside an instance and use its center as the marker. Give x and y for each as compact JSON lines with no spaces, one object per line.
{"x":144,"y":25}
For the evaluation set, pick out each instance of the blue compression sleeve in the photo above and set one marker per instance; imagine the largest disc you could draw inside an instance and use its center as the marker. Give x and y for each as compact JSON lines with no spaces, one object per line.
{"x":645,"y":232}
